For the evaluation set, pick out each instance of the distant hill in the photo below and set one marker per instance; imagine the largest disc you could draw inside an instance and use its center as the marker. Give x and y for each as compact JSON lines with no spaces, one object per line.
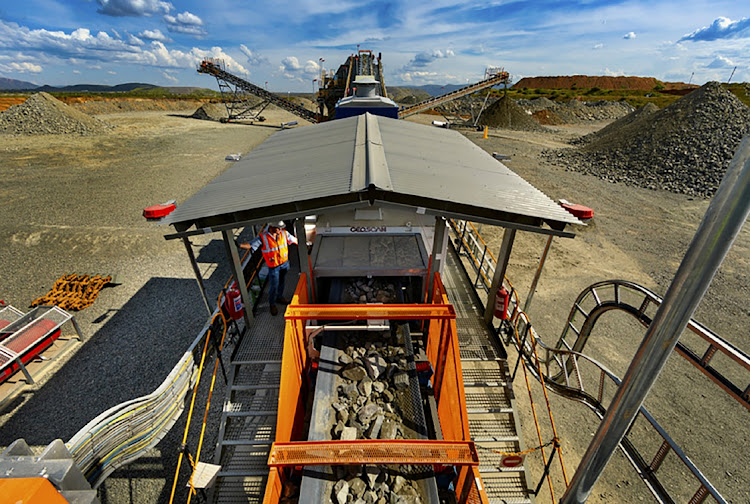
{"x":13,"y":84}
{"x":96,"y":88}
{"x":601,"y":82}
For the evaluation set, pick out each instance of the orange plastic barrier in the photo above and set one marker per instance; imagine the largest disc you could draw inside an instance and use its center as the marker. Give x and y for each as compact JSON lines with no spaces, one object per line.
{"x":373,"y":452}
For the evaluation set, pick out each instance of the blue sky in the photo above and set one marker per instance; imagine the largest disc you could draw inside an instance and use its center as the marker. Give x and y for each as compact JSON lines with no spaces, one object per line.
{"x":286,"y":43}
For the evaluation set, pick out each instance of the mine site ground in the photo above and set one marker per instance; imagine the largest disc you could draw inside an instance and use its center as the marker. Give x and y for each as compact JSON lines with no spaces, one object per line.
{"x":72,"y":204}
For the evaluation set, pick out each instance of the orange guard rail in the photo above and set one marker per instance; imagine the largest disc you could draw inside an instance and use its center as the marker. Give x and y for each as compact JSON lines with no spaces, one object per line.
{"x":443,"y":353}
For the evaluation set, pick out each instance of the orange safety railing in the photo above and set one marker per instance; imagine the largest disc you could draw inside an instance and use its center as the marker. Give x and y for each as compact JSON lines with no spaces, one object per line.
{"x":442,"y":352}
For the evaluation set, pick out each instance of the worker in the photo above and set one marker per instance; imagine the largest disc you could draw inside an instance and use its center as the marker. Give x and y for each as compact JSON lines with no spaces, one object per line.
{"x":274,"y":243}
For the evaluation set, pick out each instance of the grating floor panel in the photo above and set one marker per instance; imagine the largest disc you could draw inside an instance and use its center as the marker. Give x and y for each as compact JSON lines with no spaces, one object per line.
{"x":505,"y":488}
{"x":492,"y":453}
{"x":246,"y":459}
{"x":487,"y":399}
{"x":492,"y":426}
{"x":253,"y":401}
{"x":248,"y":490}
{"x":251,"y":428}
{"x":482,"y":375}
{"x":257,"y":375}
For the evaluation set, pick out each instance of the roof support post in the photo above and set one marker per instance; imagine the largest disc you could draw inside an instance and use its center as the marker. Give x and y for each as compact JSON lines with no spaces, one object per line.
{"x":503,"y":257}
{"x":720,"y":226}
{"x":197,"y":271}
{"x":234,"y":261}
{"x":534,"y":283}
{"x":439,"y":245}
{"x":304,"y":259}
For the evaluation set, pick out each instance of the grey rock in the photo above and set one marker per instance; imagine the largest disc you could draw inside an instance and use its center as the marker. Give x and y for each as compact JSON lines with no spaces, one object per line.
{"x":349,"y":434}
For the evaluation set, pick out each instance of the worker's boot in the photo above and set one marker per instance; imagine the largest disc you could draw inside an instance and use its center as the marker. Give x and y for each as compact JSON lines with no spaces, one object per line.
{"x":274,"y":310}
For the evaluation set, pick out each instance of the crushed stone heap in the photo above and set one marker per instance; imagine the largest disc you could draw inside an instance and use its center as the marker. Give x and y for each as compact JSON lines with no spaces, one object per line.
{"x":611,"y":131}
{"x":504,"y":113}
{"x":211,"y":112}
{"x":43,"y":114}
{"x":683,"y":148}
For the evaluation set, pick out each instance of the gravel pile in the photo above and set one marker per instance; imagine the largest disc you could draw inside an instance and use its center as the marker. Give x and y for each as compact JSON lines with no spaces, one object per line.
{"x":505,"y":113}
{"x":43,"y":114}
{"x":576,"y":111}
{"x":117,"y":105}
{"x":683,"y":148}
{"x":211,"y":112}
{"x":611,"y":130}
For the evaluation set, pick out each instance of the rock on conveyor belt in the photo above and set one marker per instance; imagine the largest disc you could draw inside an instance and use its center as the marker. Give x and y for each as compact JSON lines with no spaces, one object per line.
{"x":43,"y":114}
{"x":683,"y":148}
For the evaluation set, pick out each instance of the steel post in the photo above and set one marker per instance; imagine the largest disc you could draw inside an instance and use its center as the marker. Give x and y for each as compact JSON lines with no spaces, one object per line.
{"x":304,"y":261}
{"x":197,"y":271}
{"x":236,"y":265}
{"x":534,"y":283}
{"x":724,"y":218}
{"x":503,"y":257}
{"x":438,"y":253}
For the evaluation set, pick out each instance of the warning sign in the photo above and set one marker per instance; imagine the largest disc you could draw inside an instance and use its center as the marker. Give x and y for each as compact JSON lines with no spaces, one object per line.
{"x":511,"y":461}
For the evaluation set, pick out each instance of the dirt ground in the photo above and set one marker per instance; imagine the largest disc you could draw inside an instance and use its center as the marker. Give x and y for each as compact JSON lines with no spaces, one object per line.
{"x":73,"y":204}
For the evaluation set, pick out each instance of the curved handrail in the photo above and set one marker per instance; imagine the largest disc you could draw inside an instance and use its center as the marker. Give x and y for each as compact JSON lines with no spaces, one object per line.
{"x":568,"y":380}
{"x":126,"y":431}
{"x":563,"y":362}
{"x":592,"y":303}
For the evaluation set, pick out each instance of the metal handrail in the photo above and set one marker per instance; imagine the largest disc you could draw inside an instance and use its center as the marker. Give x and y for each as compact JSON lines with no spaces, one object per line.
{"x":563,"y":363}
{"x":128,"y":430}
{"x":592,"y":303}
{"x":565,"y":376}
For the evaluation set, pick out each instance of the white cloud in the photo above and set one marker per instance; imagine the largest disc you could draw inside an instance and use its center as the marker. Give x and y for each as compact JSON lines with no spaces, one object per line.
{"x":154,"y":35}
{"x":77,"y":72}
{"x":721,"y":28}
{"x":169,"y":77}
{"x":629,"y":36}
{"x":112,"y":72}
{"x":424,"y":58}
{"x":721,"y":62}
{"x":598,"y":46}
{"x":133,"y":40}
{"x":291,"y":68}
{"x":253,"y":57}
{"x":24,"y":67}
{"x":187,"y":23}
{"x":134,"y":8}
{"x":83,"y":45}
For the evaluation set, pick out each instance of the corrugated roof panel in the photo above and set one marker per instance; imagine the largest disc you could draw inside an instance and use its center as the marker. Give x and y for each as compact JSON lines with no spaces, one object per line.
{"x":445,"y":165}
{"x":292,"y":165}
{"x":334,"y":163}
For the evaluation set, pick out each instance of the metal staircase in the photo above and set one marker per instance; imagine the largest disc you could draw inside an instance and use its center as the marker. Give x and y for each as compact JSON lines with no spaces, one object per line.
{"x":226,"y":80}
{"x":494,"y":78}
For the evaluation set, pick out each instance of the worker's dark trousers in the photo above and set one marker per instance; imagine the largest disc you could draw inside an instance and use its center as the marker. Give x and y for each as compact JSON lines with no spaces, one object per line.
{"x":276,"y":278}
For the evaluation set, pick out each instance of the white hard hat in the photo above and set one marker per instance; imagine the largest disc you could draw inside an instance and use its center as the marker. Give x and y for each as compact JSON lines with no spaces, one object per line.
{"x":279,"y":224}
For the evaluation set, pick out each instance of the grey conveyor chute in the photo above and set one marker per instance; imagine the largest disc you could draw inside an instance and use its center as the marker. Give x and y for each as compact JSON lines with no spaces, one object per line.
{"x":214,"y":67}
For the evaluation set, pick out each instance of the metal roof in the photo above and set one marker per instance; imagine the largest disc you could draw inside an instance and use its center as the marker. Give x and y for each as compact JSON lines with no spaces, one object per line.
{"x":362,"y":160}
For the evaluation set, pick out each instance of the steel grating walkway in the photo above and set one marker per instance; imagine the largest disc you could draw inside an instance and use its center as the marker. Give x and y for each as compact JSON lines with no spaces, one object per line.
{"x":248,"y":420}
{"x":489,"y":395}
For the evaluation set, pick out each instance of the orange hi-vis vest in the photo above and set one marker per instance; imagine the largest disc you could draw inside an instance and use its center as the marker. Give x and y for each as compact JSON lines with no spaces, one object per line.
{"x":275,"y":252}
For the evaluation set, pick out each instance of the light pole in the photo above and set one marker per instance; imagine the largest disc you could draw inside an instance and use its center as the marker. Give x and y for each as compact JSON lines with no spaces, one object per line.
{"x":313,"y":85}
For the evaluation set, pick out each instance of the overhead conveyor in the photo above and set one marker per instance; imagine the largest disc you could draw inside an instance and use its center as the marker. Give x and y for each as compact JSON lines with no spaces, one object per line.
{"x":238,"y":107}
{"x":492,"y":78}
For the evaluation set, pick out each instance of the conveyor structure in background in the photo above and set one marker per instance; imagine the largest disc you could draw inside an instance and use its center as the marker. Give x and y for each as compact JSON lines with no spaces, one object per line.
{"x":493,"y":77}
{"x":234,"y":90}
